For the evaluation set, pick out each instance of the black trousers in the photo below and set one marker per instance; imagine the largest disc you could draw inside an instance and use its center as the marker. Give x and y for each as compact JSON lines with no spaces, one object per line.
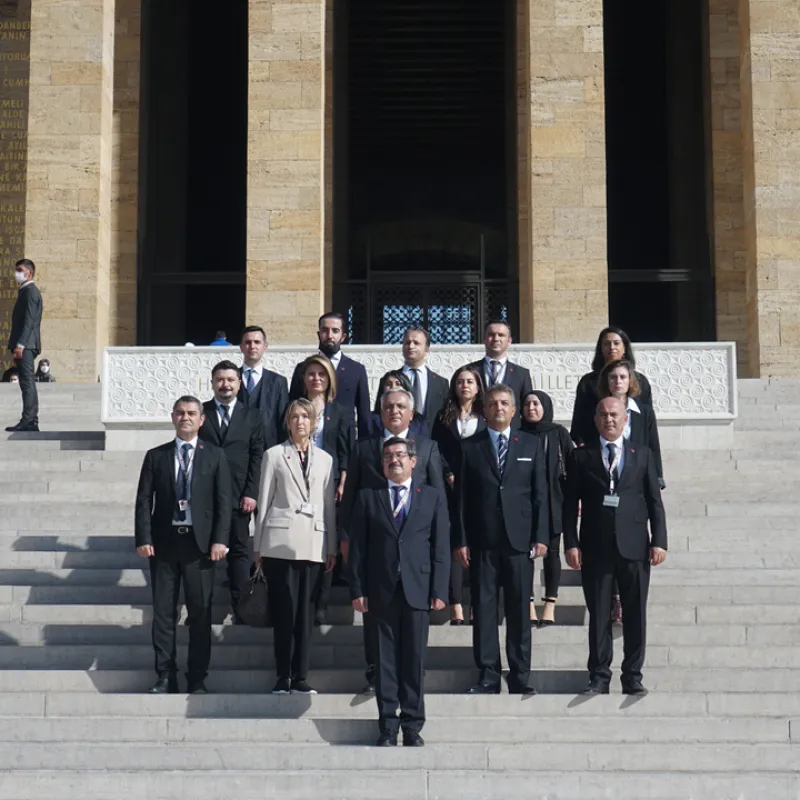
{"x":182,"y":563}
{"x":27,"y":385}
{"x":401,"y":638}
{"x":458,"y":577}
{"x":552,"y":568}
{"x":633,"y":577}
{"x":492,"y":570}
{"x":370,"y":648}
{"x":238,"y":557}
{"x":290,"y":586}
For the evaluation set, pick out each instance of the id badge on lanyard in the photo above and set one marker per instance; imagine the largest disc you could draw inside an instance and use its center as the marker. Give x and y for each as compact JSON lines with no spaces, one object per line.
{"x":611,"y":500}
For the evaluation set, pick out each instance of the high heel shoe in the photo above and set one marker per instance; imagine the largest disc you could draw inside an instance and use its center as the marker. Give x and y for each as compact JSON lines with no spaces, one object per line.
{"x":546,"y":623}
{"x":534,"y":620}
{"x":457,"y":622}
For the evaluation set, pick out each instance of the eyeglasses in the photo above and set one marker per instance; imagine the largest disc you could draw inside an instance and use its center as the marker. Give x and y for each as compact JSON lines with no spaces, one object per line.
{"x":392,"y":456}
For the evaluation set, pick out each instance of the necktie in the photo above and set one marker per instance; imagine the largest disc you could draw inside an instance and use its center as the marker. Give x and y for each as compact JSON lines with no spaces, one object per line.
{"x":251,"y":384}
{"x":502,"y":452}
{"x":495,"y":371}
{"x":225,"y":411}
{"x":416,"y":391}
{"x":399,"y":506}
{"x":612,"y":457}
{"x":183,"y":479}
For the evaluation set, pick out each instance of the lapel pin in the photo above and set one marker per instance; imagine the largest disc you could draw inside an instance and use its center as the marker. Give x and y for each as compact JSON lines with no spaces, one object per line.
{"x":516,"y":438}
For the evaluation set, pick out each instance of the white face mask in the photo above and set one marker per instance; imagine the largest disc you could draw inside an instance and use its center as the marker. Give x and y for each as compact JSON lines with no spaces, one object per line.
{"x":19,"y":276}
{"x":44,"y":368}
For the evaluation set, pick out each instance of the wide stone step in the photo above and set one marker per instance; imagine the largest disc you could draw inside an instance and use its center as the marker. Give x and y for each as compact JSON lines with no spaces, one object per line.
{"x":397,"y":784}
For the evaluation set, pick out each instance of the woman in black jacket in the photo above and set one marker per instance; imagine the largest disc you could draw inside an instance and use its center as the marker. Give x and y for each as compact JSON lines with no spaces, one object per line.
{"x":537,"y":418}
{"x":613,"y":344}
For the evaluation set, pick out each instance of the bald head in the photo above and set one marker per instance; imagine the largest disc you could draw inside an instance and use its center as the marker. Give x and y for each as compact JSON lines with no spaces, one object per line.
{"x":610,"y":418}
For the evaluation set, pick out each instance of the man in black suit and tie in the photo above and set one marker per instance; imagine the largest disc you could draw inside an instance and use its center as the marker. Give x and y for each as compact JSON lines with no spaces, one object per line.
{"x":399,"y":571}
{"x":429,"y":389}
{"x":25,"y":342}
{"x":261,"y":388}
{"x":352,"y":388}
{"x":365,"y":471}
{"x":495,"y":368}
{"x":183,"y":515}
{"x":239,"y":432}
{"x":617,"y":488}
{"x":503,"y":515}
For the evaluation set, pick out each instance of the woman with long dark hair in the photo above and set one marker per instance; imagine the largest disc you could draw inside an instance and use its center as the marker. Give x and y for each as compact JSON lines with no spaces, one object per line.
{"x":613,"y":344}
{"x":537,"y":418}
{"x":460,"y":418}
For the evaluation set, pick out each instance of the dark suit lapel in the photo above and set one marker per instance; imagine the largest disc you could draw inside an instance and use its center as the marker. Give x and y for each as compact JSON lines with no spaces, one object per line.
{"x":169,"y":465}
{"x":212,"y":418}
{"x":383,"y":499}
{"x":236,"y":420}
{"x":414,"y":502}
{"x":197,"y":464}
{"x":629,"y":466}
{"x":511,"y":455}
{"x":596,"y":464}
{"x":511,"y":380}
{"x":491,"y":455}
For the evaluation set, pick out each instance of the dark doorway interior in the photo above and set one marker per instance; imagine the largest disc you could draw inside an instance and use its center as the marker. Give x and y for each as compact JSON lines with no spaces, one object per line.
{"x":193,"y":167}
{"x":657,"y":128}
{"x":424,"y":173}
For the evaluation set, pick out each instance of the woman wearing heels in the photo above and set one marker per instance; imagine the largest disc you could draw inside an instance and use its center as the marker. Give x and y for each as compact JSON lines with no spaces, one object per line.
{"x":461,"y":417}
{"x":537,"y":418}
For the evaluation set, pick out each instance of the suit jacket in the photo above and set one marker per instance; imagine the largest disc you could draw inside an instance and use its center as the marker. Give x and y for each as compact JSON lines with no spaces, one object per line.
{"x":365,"y":471}
{"x":449,"y":440}
{"x":512,"y":508}
{"x":336,"y":439}
{"x":210,"y":492}
{"x":270,"y":397}
{"x":243,"y":445}
{"x":282,"y":530}
{"x":438,"y":387}
{"x":352,"y":393}
{"x":517,"y":378}
{"x":26,"y":319}
{"x":417,"y":428}
{"x":417,"y":555}
{"x":622,"y":529}
{"x":644,"y":431}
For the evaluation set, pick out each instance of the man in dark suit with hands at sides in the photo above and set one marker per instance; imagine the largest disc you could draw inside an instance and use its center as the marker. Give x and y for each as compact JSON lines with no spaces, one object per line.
{"x":503,"y":517}
{"x":617,"y":488}
{"x":238,"y":430}
{"x":262,"y":389}
{"x":429,"y":389}
{"x":25,"y":342}
{"x":183,"y":516}
{"x":399,"y":571}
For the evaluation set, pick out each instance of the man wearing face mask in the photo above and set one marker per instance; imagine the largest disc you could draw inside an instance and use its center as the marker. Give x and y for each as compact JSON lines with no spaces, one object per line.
{"x":25,"y":342}
{"x":352,"y":389}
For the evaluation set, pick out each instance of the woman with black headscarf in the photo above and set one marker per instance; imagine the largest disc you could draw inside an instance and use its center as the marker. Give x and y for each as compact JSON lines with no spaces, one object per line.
{"x":537,"y":418}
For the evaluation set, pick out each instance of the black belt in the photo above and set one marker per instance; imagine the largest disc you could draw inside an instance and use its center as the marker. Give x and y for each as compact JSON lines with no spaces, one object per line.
{"x":182,"y":530}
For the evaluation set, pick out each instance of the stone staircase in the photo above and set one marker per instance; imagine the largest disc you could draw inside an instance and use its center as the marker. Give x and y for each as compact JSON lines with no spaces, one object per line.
{"x":723,"y":719}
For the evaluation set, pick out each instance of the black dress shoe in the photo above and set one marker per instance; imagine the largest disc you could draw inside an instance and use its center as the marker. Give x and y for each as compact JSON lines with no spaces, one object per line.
{"x":457,"y":622}
{"x":521,"y":688}
{"x":26,"y":427}
{"x":301,"y":686}
{"x":283,"y":686}
{"x":484,"y":687}
{"x":164,"y":685}
{"x":596,"y":686}
{"x":198,"y":687}
{"x":369,"y":688}
{"x":634,"y":688}
{"x":412,"y":739}
{"x":387,"y":739}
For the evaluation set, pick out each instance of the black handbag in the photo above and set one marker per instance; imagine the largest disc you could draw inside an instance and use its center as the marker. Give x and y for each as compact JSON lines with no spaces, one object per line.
{"x":253,"y":605}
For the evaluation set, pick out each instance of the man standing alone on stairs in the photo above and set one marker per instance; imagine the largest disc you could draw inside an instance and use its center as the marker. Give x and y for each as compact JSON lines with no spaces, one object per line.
{"x":25,"y":342}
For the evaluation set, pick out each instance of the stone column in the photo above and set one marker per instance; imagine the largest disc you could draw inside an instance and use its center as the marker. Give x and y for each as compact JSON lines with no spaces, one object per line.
{"x":68,"y":205}
{"x":771,"y":143}
{"x":563,"y":271}
{"x":285,"y":270}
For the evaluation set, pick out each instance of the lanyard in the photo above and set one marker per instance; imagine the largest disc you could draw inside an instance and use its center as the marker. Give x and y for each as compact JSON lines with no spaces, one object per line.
{"x":612,"y":467}
{"x":185,"y":470}
{"x":401,"y":505}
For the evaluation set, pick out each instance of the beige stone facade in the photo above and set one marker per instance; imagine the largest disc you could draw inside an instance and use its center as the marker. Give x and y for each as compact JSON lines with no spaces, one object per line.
{"x":83,"y":181}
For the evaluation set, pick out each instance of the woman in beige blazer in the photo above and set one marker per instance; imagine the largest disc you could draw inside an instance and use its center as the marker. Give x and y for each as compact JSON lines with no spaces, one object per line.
{"x":295,"y":537}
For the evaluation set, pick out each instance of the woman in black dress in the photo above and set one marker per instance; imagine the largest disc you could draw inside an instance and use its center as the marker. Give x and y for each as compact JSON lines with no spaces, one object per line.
{"x":613,"y":344}
{"x":537,"y":418}
{"x":461,"y":417}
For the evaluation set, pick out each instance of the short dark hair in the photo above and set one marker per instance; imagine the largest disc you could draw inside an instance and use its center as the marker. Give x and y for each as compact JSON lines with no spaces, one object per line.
{"x":497,"y":321}
{"x":28,"y":264}
{"x":409,"y":443}
{"x":188,"y":398}
{"x":223,"y":366}
{"x":254,"y":329}
{"x":331,"y":315}
{"x":418,"y":329}
{"x":220,"y":335}
{"x":598,"y":362}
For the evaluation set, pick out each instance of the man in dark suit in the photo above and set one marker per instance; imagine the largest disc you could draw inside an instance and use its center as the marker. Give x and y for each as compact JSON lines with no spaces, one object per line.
{"x":25,"y":342}
{"x":239,"y":432}
{"x":503,"y":516}
{"x":617,"y":488}
{"x":183,"y":515}
{"x":365,"y":471}
{"x":399,"y":570}
{"x":429,"y":389}
{"x":352,"y":388}
{"x":261,"y":388}
{"x":495,"y":368}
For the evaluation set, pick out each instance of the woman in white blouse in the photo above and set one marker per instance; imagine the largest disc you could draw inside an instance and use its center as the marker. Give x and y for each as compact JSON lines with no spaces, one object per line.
{"x":295,"y":537}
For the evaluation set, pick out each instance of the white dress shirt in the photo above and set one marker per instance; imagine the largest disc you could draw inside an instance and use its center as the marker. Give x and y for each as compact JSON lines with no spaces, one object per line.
{"x":333,"y":359}
{"x":406,"y":495}
{"x":401,"y":435}
{"x":230,"y":405}
{"x":620,"y":443}
{"x":422,"y":374}
{"x":192,"y":453}
{"x":633,"y":406}
{"x":258,"y":371}
{"x":495,"y":435}
{"x":467,"y":427}
{"x":487,"y":369}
